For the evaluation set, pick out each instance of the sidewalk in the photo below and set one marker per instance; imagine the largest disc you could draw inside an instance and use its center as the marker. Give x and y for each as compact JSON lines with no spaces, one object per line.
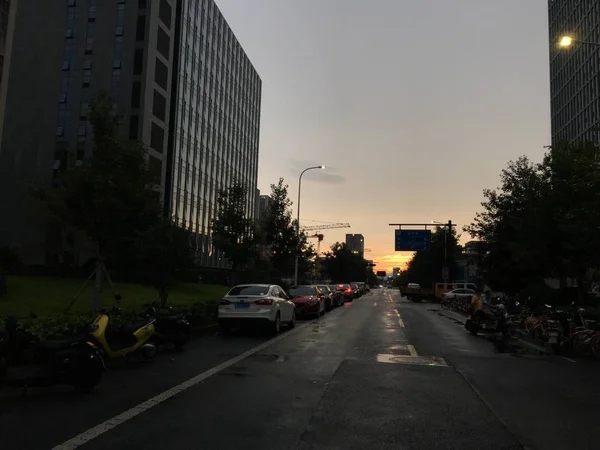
{"x":523,"y":343}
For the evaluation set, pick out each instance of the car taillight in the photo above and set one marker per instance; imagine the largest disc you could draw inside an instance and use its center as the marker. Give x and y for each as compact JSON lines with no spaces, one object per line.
{"x":225,"y":302}
{"x":264,"y":301}
{"x":348,"y":290}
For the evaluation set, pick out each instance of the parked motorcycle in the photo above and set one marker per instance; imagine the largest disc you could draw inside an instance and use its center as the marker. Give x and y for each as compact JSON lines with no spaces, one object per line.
{"x":123,"y":339}
{"x":487,"y":322}
{"x":26,"y":360}
{"x":170,"y":329}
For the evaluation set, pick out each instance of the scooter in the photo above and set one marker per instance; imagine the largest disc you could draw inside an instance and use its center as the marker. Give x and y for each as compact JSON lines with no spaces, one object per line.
{"x":26,"y":360}
{"x":120,"y":340}
{"x":487,"y":322}
{"x":173,"y":329}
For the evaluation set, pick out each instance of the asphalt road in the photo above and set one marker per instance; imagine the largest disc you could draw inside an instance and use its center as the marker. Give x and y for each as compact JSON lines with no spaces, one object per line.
{"x":379,"y":373}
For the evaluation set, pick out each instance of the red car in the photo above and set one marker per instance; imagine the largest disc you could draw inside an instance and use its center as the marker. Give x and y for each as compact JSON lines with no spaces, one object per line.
{"x":309,"y":300}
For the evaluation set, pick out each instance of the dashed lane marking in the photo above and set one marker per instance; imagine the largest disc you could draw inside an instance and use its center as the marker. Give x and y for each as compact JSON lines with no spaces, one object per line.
{"x":411,"y":350}
{"x":401,"y":323}
{"x":98,"y":430}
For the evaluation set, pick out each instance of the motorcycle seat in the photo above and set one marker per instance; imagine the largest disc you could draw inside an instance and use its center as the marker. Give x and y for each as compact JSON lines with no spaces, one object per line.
{"x":59,"y":342}
{"x":133,"y":327}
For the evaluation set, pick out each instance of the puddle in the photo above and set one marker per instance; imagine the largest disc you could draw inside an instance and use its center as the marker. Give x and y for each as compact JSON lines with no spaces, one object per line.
{"x":411,"y":360}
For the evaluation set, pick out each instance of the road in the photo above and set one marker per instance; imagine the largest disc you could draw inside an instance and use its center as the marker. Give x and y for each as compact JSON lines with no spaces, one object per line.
{"x":379,"y":373}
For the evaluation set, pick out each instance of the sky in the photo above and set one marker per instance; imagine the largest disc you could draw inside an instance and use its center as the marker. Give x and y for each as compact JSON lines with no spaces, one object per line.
{"x":415,"y":107}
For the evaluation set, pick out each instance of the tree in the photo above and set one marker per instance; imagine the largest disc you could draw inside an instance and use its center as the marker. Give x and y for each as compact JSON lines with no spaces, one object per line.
{"x":509,"y":226}
{"x":233,"y":231}
{"x":278,"y":233}
{"x":425,"y":267}
{"x":163,"y":256}
{"x":538,"y":223}
{"x":344,"y":266}
{"x":112,"y":197}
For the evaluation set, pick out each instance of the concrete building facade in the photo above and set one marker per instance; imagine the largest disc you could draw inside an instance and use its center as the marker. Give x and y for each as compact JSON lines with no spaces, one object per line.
{"x":356,"y":243}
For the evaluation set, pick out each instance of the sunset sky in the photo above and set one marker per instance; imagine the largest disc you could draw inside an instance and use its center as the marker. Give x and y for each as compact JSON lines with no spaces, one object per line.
{"x":414,"y":107}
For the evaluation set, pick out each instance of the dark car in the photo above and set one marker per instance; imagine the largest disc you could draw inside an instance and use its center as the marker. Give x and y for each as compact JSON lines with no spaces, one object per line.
{"x":338,"y":296}
{"x":356,"y":289}
{"x":329,"y":304}
{"x":309,"y":300}
{"x":346,"y":290}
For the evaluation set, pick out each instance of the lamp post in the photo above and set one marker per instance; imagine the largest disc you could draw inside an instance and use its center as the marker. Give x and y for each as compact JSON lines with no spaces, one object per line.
{"x":298,"y":220}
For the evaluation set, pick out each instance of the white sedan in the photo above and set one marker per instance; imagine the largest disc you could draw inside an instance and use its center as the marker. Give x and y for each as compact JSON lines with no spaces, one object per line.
{"x":267,"y":303}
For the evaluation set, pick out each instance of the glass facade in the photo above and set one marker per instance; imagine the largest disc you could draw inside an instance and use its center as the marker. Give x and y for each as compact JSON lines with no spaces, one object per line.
{"x":216,"y":120}
{"x":575,"y":72}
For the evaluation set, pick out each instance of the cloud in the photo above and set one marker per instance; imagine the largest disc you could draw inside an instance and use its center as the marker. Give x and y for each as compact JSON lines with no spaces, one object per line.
{"x":330,"y":175}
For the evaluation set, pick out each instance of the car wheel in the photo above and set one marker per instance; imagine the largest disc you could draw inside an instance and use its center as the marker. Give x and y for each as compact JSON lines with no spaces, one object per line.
{"x":292,"y":323}
{"x":276,"y":326}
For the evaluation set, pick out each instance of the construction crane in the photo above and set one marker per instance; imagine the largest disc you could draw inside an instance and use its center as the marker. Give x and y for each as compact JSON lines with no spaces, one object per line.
{"x":319,"y":238}
{"x":328,"y":226}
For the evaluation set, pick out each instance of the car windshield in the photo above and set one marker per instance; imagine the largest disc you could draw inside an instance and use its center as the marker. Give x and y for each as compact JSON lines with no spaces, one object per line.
{"x":324,"y":288}
{"x":303,"y":290}
{"x":248,"y":290}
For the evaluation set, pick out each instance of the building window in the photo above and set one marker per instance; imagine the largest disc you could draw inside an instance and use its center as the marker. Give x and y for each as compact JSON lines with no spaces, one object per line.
{"x":89,"y":43}
{"x":119,"y":31}
{"x":81,"y":131}
{"x":157,"y":137}
{"x":71,"y":2}
{"x":116,"y":64}
{"x":161,"y":74}
{"x":136,"y":92}
{"x":134,"y":122}
{"x":159,"y":107}
{"x":138,"y":61}
{"x":60,"y":131}
{"x":66,"y":65}
{"x":142,"y":4}
{"x":140,"y":31}
{"x":63,"y":97}
{"x":69,"y":33}
{"x":163,"y":43}
{"x":164,"y":12}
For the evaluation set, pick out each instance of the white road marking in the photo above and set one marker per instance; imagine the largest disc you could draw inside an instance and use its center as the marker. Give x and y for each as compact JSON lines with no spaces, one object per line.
{"x":98,"y":430}
{"x":569,"y":359}
{"x":375,"y":304}
{"x":411,"y":350}
{"x":401,"y":322}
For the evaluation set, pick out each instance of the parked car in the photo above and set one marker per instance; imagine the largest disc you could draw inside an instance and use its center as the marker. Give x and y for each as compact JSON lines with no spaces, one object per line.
{"x":361,"y":287}
{"x":357,"y":290}
{"x":329,"y":305}
{"x":346,"y":290}
{"x":308,"y":300}
{"x":463,"y":294}
{"x":267,"y":304}
{"x":338,"y":296}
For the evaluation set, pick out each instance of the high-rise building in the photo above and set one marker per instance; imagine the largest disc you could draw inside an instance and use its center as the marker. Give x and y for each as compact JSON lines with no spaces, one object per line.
{"x":574,"y":71}
{"x":182,"y":84}
{"x":356,"y":243}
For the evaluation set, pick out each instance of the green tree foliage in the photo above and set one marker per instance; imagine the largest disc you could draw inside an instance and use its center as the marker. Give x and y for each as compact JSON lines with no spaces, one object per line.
{"x":163,"y":256}
{"x":539,"y":222}
{"x":344,"y":266}
{"x":426,"y":267}
{"x":278,"y":233}
{"x":112,"y":197}
{"x":233,"y":231}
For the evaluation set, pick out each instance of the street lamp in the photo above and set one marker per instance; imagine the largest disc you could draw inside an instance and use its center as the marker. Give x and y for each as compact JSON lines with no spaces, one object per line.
{"x":298,"y":220}
{"x":568,"y":41}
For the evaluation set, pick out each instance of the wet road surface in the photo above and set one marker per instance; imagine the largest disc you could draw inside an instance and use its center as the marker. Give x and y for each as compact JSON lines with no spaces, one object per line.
{"x":380,"y":373}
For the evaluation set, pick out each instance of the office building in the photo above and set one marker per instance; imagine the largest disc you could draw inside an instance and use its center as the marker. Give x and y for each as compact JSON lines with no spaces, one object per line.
{"x":183,"y":87}
{"x":574,"y":71}
{"x":356,"y":243}
{"x":216,"y":121}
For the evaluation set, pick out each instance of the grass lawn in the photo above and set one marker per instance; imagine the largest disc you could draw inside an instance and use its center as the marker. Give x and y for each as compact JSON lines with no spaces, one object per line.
{"x":48,"y":296}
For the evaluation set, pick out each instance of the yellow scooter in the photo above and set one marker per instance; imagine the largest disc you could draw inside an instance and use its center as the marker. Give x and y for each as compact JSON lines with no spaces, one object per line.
{"x":121,"y":340}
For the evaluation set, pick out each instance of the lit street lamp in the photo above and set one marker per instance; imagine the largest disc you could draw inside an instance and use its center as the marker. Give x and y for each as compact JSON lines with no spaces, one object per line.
{"x":298,"y":220}
{"x":569,"y":41}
